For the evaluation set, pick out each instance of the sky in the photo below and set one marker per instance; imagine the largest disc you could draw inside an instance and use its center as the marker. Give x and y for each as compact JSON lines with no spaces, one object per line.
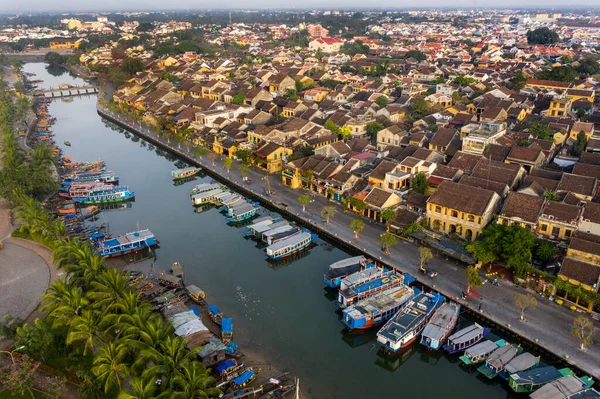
{"x":147,"y":5}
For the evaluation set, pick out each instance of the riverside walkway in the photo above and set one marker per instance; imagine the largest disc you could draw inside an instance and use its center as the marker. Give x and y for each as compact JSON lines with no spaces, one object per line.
{"x":548,"y":325}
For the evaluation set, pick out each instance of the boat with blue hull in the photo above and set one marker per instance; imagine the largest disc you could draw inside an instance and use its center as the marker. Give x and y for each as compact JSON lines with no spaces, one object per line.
{"x":130,"y":242}
{"x":244,"y":212}
{"x":465,"y":338}
{"x":290,"y":245}
{"x":368,"y":288}
{"x":345,"y":267}
{"x":377,"y":309}
{"x":103,"y":194}
{"x":404,"y":328}
{"x":440,"y":326}
{"x":103,"y":177}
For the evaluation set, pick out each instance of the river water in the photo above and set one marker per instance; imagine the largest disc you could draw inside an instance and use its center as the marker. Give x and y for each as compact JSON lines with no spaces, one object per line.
{"x":282,"y":312}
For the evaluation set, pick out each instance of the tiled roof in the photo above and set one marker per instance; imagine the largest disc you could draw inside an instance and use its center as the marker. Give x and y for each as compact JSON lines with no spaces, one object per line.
{"x":583,"y":272}
{"x":461,"y":197}
{"x":522,"y":206}
{"x":561,"y":212}
{"x":584,"y":185}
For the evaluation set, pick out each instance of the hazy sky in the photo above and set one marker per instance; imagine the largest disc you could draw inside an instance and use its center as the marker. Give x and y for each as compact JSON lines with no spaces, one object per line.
{"x":143,"y":5}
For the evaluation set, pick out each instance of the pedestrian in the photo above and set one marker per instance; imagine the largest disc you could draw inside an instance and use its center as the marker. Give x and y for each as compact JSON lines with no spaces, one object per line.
{"x":479,"y":307}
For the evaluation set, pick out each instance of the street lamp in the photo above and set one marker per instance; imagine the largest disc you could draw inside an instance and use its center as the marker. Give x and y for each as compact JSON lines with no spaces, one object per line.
{"x":11,"y":353}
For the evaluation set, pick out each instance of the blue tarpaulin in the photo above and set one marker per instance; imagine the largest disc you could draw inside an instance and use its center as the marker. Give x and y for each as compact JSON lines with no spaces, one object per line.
{"x":227,"y":325}
{"x":243,"y":378}
{"x":97,"y":236}
{"x":213,"y":309}
{"x":71,"y":216}
{"x":227,"y":364}
{"x":195,"y":310}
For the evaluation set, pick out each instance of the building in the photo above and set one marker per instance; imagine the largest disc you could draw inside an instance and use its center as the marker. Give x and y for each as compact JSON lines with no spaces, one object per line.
{"x":522,"y":210}
{"x":271,"y":157}
{"x":317,"y":31}
{"x":327,"y":44}
{"x":391,"y":136}
{"x":559,"y":106}
{"x":581,"y":266}
{"x":62,"y":44}
{"x":558,"y":221}
{"x":461,"y":209}
{"x":477,"y":136}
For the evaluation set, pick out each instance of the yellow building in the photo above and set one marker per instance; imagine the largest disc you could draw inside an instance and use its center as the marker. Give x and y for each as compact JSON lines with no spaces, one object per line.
{"x":559,"y":106}
{"x":578,"y":94}
{"x":456,"y":208}
{"x":271,"y":157}
{"x":581,"y":266}
{"x":558,"y":221}
{"x":62,"y":44}
{"x":291,"y":176}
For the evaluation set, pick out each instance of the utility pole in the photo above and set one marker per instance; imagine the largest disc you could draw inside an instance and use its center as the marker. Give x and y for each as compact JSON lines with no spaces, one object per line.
{"x":229,"y":17}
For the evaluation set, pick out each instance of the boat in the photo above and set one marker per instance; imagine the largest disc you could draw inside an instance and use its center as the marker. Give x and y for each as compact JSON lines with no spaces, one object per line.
{"x":481,"y":351}
{"x":276,"y":229}
{"x":523,"y":362}
{"x":465,"y":338}
{"x":377,"y":309}
{"x":206,"y":196}
{"x":228,"y":369}
{"x":358,"y":292}
{"x":200,"y":188}
{"x":244,"y":379}
{"x":345,"y":267}
{"x":102,"y":194}
{"x":498,"y":359}
{"x":291,"y":245}
{"x":242,"y":213}
{"x":184,"y":173}
{"x":130,"y":242}
{"x":215,"y":314}
{"x":170,"y":280}
{"x":67,"y":143}
{"x":82,"y":177}
{"x":531,"y":380}
{"x":195,"y":293}
{"x":226,"y":329}
{"x":589,"y":393}
{"x":177,"y":270}
{"x":563,"y":388}
{"x":405,"y":327}
{"x":79,"y":190}
{"x":259,"y":226}
{"x":440,"y":326}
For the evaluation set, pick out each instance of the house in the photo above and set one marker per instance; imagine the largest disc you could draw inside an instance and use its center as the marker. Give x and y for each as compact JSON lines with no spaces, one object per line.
{"x":393,"y":136}
{"x":326,"y":44}
{"x":379,"y":200}
{"x":60,"y":43}
{"x":477,"y":136}
{"x":335,"y":150}
{"x":377,"y":175}
{"x":522,"y":210}
{"x":581,"y":266}
{"x":587,"y":128}
{"x":583,"y":187}
{"x":317,"y":94}
{"x":271,"y":156}
{"x":558,"y":220}
{"x":461,"y":209}
{"x":256,"y":94}
{"x":559,"y":106}
{"x":212,"y":353}
{"x":590,"y":220}
{"x":399,"y":178}
{"x":510,"y":174}
{"x":442,"y":139}
{"x":547,"y":84}
{"x":528,"y":158}
{"x":439,"y":99}
{"x":281,"y":83}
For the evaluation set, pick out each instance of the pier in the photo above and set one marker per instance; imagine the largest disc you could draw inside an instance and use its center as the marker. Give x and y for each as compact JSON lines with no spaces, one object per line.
{"x":66,"y":90}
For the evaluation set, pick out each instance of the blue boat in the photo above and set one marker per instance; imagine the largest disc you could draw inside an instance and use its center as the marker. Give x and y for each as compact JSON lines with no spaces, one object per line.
{"x":290,"y":245}
{"x":405,"y":327}
{"x":226,"y":330}
{"x":215,"y":314}
{"x":244,"y":212}
{"x":244,"y":379}
{"x":343,"y":268}
{"x":227,"y":367}
{"x":440,"y":326}
{"x":103,"y":194}
{"x":130,"y":242}
{"x":465,"y":338}
{"x":377,"y":309}
{"x":358,"y":292}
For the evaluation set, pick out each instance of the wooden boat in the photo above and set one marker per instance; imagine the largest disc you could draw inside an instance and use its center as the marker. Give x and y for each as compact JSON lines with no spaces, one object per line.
{"x":215,"y":314}
{"x":343,"y":268}
{"x":481,"y":351}
{"x":563,"y":388}
{"x":177,"y":270}
{"x":465,"y":338}
{"x":377,"y":309}
{"x":368,"y":288}
{"x":440,"y":326}
{"x":405,"y":327}
{"x":531,"y":380}
{"x":67,"y":143}
{"x":169,"y":280}
{"x":226,"y":329}
{"x":498,"y":359}
{"x":523,"y":362}
{"x":290,"y":245}
{"x":228,"y":369}
{"x":195,"y":293}
{"x":128,"y":243}
{"x":244,"y":379}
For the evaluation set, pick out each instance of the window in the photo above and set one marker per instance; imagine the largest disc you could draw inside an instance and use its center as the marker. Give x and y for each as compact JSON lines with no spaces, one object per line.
{"x":438,"y":209}
{"x":568,"y":233}
{"x":454,"y":214}
{"x":555,"y":231}
{"x":470,"y":218}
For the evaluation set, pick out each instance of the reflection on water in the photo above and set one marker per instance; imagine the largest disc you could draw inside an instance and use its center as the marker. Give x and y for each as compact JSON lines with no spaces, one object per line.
{"x":393,"y":363}
{"x":356,"y":339}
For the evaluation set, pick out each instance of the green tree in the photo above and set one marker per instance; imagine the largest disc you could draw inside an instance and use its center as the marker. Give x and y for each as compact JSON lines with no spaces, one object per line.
{"x":464,"y":80}
{"x":560,"y":73}
{"x":579,"y":144}
{"x":140,"y":389}
{"x":358,"y":205}
{"x":386,"y":240}
{"x":415,"y":54}
{"x":540,"y":131}
{"x":110,"y":365}
{"x":411,"y":228}
{"x":425,"y":256}
{"x":550,"y":195}
{"x":8,"y":328}
{"x":194,"y":382}
{"x":331,"y":126}
{"x":345,"y":132}
{"x":382,"y":101}
{"x":419,"y":183}
{"x":200,"y":152}
{"x":420,"y":108}
{"x":522,"y":302}
{"x":518,"y":81}
{"x":239,"y":98}
{"x":387,"y":216}
{"x":584,"y":330}
{"x":244,"y":170}
{"x":132,"y":65}
{"x":36,"y":340}
{"x":545,"y":250}
{"x":244,"y":155}
{"x":328,"y":212}
{"x":542,"y":36}
{"x":54,"y":59}
{"x":357,"y":226}
{"x":373,"y":128}
{"x":304,"y":200}
{"x":227,"y":164}
{"x":473,"y":278}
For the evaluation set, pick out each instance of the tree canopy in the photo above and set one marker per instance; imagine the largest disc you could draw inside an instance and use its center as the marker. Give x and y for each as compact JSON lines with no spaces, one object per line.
{"x":542,"y":35}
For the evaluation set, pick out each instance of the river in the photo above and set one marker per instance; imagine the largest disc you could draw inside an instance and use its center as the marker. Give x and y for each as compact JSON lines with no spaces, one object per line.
{"x":283,"y":313}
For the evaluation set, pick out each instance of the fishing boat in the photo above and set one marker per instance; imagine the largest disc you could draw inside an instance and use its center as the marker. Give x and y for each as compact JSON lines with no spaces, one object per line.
{"x":130,"y":242}
{"x":244,"y":379}
{"x":226,"y":329}
{"x":465,"y":338}
{"x":532,"y":380}
{"x":343,"y":268}
{"x":67,"y":143}
{"x":405,"y":327}
{"x":228,"y":369}
{"x":478,"y":353}
{"x":215,"y":314}
{"x":102,"y":194}
{"x":79,"y":190}
{"x":242,"y":213}
{"x":523,"y":362}
{"x":377,"y":309}
{"x":170,"y":280}
{"x":184,"y":173}
{"x":498,"y":359}
{"x":290,"y":246}
{"x":195,"y":293}
{"x":358,"y":292}
{"x":564,"y":388}
{"x":440,"y":326}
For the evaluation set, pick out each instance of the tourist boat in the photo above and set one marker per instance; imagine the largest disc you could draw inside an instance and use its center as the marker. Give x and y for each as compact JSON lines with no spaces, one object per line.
{"x":228,"y":369}
{"x":405,"y":327}
{"x":215,"y":314}
{"x":440,"y":326}
{"x":241,"y":213}
{"x":277,"y":229}
{"x":203,"y":187}
{"x":244,"y":379}
{"x":498,"y":359}
{"x":226,"y":329}
{"x":79,"y":190}
{"x":345,"y":267}
{"x":377,"y":309}
{"x":272,"y":239}
{"x":195,"y":293}
{"x":206,"y":196}
{"x":290,"y":246}
{"x":67,"y":143}
{"x":358,"y":292}
{"x":101,"y":194}
{"x":478,"y":353}
{"x":184,"y":173}
{"x":568,"y":387}
{"x":130,"y":242}
{"x":82,"y":177}
{"x":523,"y":362}
{"x":531,"y":380}
{"x":259,"y":226}
{"x":465,"y":338}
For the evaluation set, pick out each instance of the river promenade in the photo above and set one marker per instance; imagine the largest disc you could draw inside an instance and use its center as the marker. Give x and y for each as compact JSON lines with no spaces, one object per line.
{"x":548,"y":325}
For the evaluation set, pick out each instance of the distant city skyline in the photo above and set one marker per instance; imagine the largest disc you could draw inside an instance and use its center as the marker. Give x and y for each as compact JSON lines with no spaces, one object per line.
{"x":174,"y":5}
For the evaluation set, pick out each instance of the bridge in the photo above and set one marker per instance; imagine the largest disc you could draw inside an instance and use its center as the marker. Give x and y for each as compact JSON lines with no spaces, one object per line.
{"x":66,"y":90}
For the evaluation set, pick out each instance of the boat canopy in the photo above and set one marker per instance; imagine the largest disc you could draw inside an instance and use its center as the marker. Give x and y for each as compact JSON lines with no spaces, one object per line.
{"x":562,"y":388}
{"x":227,"y":364}
{"x":169,"y":278}
{"x":227,"y":325}
{"x":344,"y":263}
{"x":194,"y":290}
{"x":293,"y":240}
{"x":243,"y":378}
{"x":379,"y":302}
{"x":191,"y":327}
{"x":213,"y":309}
{"x":481,"y":349}
{"x":180,"y":319}
{"x":524,"y":361}
{"x":502,"y":356}
{"x":440,"y":322}
{"x":466,"y":334}
{"x":537,"y":376}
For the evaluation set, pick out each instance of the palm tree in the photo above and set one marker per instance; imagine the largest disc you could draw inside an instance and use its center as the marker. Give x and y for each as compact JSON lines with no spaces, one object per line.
{"x":169,"y":359}
{"x":194,"y":382}
{"x":64,"y":303}
{"x":85,"y":328}
{"x":141,"y":388}
{"x":109,"y":365}
{"x":42,"y":156}
{"x":110,"y":287}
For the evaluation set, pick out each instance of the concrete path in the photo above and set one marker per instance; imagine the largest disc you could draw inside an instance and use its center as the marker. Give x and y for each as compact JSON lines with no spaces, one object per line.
{"x":549,"y":325}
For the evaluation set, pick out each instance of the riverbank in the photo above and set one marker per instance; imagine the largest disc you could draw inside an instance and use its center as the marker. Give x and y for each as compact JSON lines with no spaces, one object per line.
{"x":548,"y":327}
